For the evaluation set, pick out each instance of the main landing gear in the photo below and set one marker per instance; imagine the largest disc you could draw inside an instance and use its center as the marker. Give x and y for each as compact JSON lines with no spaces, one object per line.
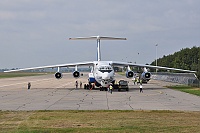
{"x":103,"y":89}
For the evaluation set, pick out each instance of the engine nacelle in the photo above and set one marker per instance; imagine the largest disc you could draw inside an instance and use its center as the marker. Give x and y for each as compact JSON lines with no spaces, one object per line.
{"x":76,"y":74}
{"x":129,"y":74}
{"x":146,"y":76}
{"x":58,"y":75}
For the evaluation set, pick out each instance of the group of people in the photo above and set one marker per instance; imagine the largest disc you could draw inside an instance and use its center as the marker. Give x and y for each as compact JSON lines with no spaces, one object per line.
{"x":138,"y":81}
{"x":91,"y":86}
{"x":76,"y":84}
{"x":86,"y":86}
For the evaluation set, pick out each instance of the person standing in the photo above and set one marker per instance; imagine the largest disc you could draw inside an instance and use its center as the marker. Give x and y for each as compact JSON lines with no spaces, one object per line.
{"x":141,"y":88}
{"x":108,"y":88}
{"x":85,"y":86}
{"x":29,"y":85}
{"x":76,"y":84}
{"x":80,"y":84}
{"x":134,"y":80}
{"x":137,"y":80}
{"x":111,"y":88}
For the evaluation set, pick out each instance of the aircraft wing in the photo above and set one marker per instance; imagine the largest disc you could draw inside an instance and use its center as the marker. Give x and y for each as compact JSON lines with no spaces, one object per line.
{"x":114,"y":63}
{"x":54,"y":66}
{"x":148,"y":66}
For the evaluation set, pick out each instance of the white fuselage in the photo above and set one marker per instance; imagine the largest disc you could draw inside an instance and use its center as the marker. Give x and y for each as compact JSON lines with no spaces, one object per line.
{"x":103,"y":73}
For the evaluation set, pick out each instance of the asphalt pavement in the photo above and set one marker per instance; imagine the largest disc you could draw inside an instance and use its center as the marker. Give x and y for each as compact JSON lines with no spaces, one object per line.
{"x":48,"y":93}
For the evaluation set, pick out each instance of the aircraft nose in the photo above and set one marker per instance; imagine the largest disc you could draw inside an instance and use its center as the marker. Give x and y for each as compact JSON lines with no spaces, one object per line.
{"x":106,"y":79}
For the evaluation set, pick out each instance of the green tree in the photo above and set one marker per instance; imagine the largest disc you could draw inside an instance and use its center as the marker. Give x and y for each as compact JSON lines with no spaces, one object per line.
{"x":187,"y":58}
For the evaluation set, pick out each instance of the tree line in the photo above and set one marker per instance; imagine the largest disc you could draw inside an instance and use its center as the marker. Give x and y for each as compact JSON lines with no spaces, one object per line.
{"x":187,"y":58}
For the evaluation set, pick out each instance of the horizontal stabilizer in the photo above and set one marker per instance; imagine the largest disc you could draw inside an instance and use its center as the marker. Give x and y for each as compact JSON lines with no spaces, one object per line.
{"x":97,"y":38}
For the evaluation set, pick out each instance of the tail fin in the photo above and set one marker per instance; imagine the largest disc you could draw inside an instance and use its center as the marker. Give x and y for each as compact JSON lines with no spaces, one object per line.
{"x":98,"y":38}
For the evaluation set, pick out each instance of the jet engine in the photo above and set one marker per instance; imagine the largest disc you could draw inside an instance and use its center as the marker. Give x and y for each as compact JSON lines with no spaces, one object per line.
{"x":58,"y":75}
{"x":146,"y":76}
{"x":129,"y":74}
{"x":76,"y":74}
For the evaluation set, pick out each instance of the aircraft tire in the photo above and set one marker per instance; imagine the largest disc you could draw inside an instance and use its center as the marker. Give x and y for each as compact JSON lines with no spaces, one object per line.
{"x":106,"y":89}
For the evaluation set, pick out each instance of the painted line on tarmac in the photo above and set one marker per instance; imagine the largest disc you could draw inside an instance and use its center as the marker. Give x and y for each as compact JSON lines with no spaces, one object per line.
{"x":64,"y":85}
{"x":158,"y":92}
{"x":24,"y":82}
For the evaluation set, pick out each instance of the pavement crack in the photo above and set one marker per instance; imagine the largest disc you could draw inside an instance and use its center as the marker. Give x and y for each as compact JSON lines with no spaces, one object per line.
{"x":59,"y":99}
{"x":107,"y":100}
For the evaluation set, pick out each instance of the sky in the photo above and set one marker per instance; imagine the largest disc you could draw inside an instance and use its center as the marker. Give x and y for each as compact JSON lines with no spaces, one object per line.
{"x":36,"y":32}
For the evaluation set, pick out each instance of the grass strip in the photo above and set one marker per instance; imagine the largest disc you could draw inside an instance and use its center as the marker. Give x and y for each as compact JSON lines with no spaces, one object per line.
{"x":19,"y":74}
{"x":187,"y":89}
{"x":99,"y":121}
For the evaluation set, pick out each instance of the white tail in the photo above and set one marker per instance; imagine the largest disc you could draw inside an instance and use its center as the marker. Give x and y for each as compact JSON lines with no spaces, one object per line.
{"x":98,"y":38}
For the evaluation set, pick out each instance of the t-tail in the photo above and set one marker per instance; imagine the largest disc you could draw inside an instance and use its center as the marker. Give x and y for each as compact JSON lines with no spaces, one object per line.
{"x":98,"y":38}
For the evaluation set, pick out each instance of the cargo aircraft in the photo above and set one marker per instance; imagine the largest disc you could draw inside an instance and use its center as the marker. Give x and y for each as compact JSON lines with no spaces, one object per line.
{"x":102,"y":72}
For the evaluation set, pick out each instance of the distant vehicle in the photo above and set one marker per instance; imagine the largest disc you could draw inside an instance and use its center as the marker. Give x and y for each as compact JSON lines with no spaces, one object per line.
{"x":123,"y":84}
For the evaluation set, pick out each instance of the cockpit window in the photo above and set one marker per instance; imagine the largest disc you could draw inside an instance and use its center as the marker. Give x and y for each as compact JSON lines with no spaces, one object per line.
{"x":105,"y":69}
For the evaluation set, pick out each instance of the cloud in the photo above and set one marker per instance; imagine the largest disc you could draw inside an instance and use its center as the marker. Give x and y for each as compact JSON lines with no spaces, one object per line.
{"x":42,"y":29}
